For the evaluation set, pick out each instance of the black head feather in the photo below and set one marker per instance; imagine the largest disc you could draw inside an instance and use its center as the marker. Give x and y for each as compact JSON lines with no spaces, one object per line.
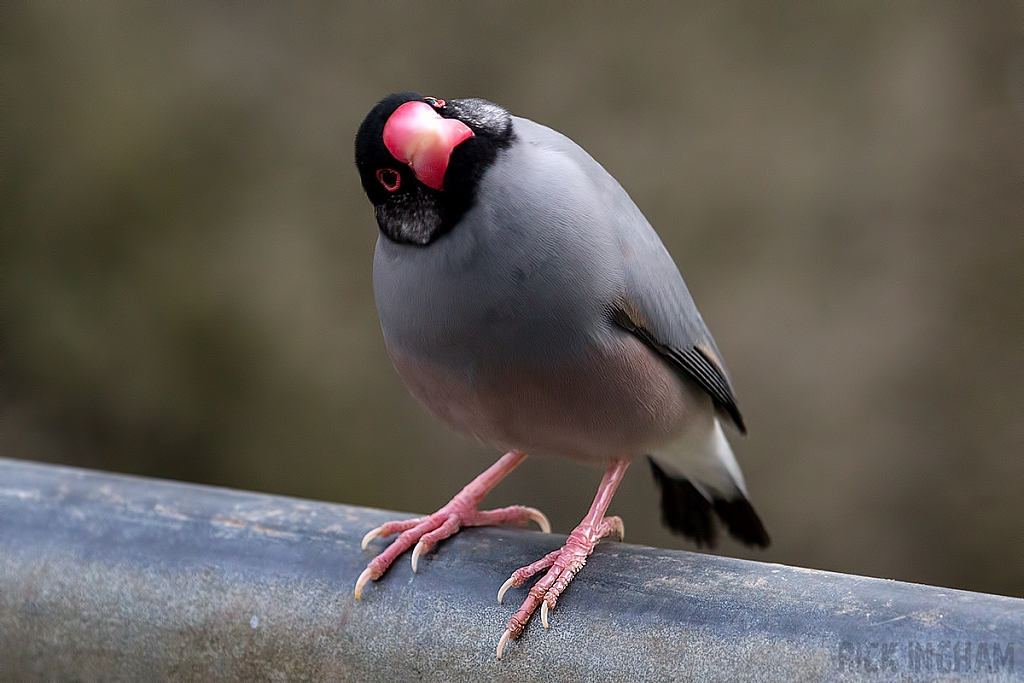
{"x":414,"y":213}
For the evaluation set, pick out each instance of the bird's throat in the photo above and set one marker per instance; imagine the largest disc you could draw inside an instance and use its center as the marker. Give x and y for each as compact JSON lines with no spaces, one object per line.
{"x":414,"y":218}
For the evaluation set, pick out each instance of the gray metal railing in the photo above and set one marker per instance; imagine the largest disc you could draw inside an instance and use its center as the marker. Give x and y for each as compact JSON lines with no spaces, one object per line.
{"x":114,"y":578}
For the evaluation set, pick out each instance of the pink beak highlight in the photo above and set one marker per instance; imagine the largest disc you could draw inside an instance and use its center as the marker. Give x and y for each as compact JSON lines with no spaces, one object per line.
{"x":418,"y":136}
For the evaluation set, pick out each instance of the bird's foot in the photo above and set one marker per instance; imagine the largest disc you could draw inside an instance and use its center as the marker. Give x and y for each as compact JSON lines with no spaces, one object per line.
{"x":562,"y":565}
{"x":426,"y":532}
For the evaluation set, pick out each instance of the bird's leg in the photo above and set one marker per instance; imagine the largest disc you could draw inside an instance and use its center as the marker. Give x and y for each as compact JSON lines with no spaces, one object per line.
{"x":460,"y":512}
{"x":563,"y":564}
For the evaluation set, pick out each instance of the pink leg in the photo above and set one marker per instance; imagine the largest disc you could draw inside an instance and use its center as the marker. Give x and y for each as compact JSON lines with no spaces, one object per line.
{"x":563,"y":564}
{"x":460,"y":512}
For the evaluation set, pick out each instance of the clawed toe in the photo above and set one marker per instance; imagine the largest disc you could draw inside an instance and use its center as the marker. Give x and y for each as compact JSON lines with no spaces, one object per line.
{"x":416,"y":552}
{"x":501,"y":642}
{"x":363,"y":579}
{"x":504,"y":587}
{"x":541,"y":519}
{"x":370,"y":535}
{"x":424,"y":533}
{"x":561,"y":565}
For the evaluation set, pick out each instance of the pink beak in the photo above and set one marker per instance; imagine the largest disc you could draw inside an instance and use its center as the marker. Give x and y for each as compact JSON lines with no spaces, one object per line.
{"x":418,"y":136}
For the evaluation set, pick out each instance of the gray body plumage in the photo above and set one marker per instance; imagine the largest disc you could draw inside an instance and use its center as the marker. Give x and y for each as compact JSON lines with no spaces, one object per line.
{"x":504,"y":327}
{"x":557,"y":245}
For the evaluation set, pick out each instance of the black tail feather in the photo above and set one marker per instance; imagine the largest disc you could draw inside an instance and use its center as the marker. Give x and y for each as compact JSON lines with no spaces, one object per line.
{"x":742,"y":521}
{"x":686,"y":511}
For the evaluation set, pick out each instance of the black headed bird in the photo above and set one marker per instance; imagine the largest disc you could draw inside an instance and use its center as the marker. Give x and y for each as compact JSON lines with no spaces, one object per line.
{"x":527,"y":302}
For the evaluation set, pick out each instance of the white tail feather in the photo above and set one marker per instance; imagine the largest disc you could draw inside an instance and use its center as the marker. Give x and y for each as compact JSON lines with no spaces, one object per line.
{"x":703,"y":456}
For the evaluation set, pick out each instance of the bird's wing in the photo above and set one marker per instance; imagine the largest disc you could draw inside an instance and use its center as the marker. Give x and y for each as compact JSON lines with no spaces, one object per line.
{"x":699,"y":362}
{"x":653,"y":303}
{"x":657,"y":308}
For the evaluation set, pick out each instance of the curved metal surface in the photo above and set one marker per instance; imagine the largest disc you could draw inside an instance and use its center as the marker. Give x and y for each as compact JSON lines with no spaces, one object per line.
{"x":114,"y":578}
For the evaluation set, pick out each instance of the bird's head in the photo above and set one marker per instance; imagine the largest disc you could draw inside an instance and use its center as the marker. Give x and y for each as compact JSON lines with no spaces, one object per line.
{"x":420,"y":160}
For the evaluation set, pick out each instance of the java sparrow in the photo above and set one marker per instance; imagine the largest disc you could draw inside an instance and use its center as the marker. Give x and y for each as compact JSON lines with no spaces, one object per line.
{"x":527,"y":302}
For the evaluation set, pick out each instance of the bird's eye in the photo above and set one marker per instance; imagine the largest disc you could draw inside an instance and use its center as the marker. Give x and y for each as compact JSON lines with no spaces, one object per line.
{"x":434,"y":102}
{"x":390,"y":179}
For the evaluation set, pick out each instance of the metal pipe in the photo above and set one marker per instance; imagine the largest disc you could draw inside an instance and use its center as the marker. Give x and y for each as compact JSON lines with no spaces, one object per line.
{"x":108,"y":577}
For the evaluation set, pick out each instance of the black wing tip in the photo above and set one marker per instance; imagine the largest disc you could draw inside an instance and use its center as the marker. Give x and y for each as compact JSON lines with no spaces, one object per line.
{"x":737,"y":419}
{"x":686,"y":511}
{"x":703,"y":363}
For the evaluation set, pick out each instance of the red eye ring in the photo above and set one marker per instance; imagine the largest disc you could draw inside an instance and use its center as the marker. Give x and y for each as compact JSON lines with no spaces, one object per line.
{"x":390,"y":179}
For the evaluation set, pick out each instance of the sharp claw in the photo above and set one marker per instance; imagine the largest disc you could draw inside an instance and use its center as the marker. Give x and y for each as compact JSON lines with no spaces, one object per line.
{"x":361,"y":582}
{"x":504,"y":587}
{"x":541,"y":519}
{"x":370,"y":535}
{"x":544,"y":614}
{"x":416,"y":552}
{"x":501,"y":643}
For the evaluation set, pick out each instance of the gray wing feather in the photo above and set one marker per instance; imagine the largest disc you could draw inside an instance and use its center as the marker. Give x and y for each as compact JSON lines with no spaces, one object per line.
{"x":659,"y":310}
{"x":655,"y":304}
{"x":697,"y":363}
{"x":661,"y":313}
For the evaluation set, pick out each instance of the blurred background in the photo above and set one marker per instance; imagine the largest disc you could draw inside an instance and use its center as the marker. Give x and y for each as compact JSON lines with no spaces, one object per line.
{"x":185,"y":258}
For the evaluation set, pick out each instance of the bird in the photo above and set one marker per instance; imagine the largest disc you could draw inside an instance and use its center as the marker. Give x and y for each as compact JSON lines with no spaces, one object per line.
{"x":526,"y":302}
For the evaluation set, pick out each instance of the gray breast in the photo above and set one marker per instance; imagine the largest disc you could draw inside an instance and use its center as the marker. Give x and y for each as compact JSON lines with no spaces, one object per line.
{"x":501,"y":327}
{"x":527,"y":275}
{"x":618,"y":398}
